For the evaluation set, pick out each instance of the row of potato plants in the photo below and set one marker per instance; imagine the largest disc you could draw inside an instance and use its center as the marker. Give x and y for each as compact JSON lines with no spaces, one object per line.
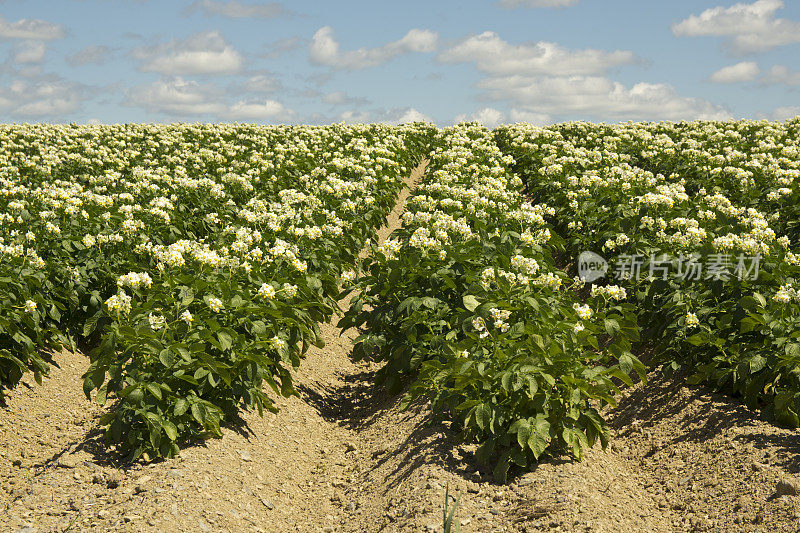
{"x":672,"y":196}
{"x":465,"y":301}
{"x":193,"y":262}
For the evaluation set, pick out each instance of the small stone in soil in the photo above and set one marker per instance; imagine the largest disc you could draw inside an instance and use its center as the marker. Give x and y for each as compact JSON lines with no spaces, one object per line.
{"x":267,"y":504}
{"x":113,"y":479}
{"x":68,"y":461}
{"x":787,"y":487}
{"x":380,"y":451}
{"x":245,"y":456}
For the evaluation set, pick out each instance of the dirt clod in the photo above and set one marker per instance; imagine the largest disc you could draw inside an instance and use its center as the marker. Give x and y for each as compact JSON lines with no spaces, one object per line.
{"x":787,"y":487}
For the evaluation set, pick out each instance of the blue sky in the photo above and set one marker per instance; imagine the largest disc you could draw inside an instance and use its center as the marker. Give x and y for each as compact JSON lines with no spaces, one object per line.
{"x":539,"y":61}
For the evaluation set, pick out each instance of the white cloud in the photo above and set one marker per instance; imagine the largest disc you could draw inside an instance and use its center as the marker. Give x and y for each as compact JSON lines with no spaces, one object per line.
{"x":538,"y":3}
{"x":342,"y":98}
{"x":235,"y":9}
{"x":335,"y":98}
{"x":487,"y":116}
{"x":493,"y":55}
{"x":599,"y":98}
{"x":176,"y":97}
{"x":31,"y":29}
{"x":542,"y":81}
{"x":355,"y":117}
{"x":183,"y":98}
{"x":30,"y":52}
{"x":281,"y":46}
{"x":398,"y":115}
{"x":537,"y":119}
{"x":95,"y":54}
{"x":747,"y":28}
{"x":260,"y":83}
{"x":201,"y":53}
{"x":266,"y":110}
{"x":782,"y":75}
{"x":410,"y":115}
{"x":785,"y":113}
{"x":324,"y":49}
{"x":744,"y":71}
{"x":47,"y":97}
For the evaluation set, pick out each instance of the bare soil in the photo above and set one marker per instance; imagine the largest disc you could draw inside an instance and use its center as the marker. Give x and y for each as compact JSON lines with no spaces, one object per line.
{"x":344,"y":458}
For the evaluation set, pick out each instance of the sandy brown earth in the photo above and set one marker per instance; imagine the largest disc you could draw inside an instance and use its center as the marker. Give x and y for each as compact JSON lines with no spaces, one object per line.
{"x":343,"y":458}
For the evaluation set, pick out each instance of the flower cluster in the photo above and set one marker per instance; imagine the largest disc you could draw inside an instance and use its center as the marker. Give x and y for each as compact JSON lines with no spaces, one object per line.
{"x":135,"y":280}
{"x":119,"y":303}
{"x":266,"y":291}
{"x":215,"y":304}
{"x":500,"y":318}
{"x":613,"y":292}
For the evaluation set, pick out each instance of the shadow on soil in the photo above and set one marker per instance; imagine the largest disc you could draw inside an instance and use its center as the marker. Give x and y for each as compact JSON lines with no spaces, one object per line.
{"x":93,"y":443}
{"x":359,"y":403}
{"x":702,"y":415}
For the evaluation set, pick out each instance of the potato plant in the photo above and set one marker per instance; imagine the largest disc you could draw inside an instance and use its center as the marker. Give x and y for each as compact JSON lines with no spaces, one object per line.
{"x":722,"y":195}
{"x":465,"y":300}
{"x":194,"y":263}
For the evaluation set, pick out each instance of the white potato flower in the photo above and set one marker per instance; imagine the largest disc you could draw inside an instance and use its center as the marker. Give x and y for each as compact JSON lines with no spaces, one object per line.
{"x":215,"y":304}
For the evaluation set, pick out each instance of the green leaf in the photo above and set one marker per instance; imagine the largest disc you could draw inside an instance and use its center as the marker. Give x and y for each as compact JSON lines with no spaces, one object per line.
{"x":91,"y":323}
{"x":154,"y":389}
{"x":757,"y":363}
{"x":760,"y":299}
{"x":783,"y":400}
{"x":483,"y":416}
{"x":135,"y":396}
{"x":626,"y":363}
{"x":505,"y":381}
{"x":793,"y":349}
{"x":199,"y":413}
{"x":698,"y":339}
{"x":501,"y":469}
{"x":187,"y":296}
{"x":181,"y":406}
{"x":166,"y":357}
{"x":169,"y":429}
{"x":539,"y":438}
{"x":749,"y":303}
{"x":612,"y":326}
{"x":523,"y":433}
{"x":470,"y":302}
{"x":533,"y":386}
{"x":225,"y":339}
